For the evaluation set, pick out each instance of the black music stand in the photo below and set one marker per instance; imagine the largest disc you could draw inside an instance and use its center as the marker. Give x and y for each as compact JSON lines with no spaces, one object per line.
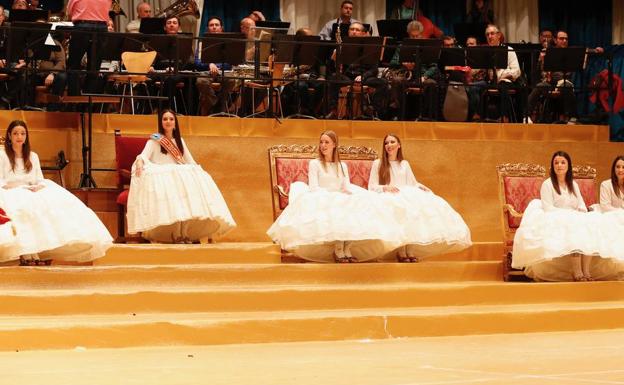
{"x":277,"y":24}
{"x":115,"y":43}
{"x":419,"y":52}
{"x":344,"y":30}
{"x":27,"y":41}
{"x":306,"y":51}
{"x":224,"y":48}
{"x":465,"y":30}
{"x":564,"y":60}
{"x":28,"y":15}
{"x":487,"y":57}
{"x":172,"y":48}
{"x":152,"y":25}
{"x":363,"y":50}
{"x":396,"y":29}
{"x":453,"y":57}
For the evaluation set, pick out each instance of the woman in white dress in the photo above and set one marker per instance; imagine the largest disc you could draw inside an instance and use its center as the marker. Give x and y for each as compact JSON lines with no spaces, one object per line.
{"x":172,"y":199}
{"x":331,"y":219}
{"x":50,"y":222}
{"x":558,"y":238}
{"x":429,"y":224}
{"x":612,"y":189}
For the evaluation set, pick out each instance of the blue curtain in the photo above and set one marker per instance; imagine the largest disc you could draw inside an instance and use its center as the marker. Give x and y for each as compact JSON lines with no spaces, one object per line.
{"x":444,"y":14}
{"x":231,"y":12}
{"x":587,"y":24}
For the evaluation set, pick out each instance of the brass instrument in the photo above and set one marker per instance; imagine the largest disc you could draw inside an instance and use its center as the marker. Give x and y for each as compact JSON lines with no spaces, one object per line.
{"x":180,"y":8}
{"x":116,"y":8}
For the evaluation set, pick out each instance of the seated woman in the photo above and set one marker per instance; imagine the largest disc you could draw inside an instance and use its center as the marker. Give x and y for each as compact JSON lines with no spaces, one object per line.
{"x":558,"y":237}
{"x":325,"y":218}
{"x":172,"y":199}
{"x":50,"y":222}
{"x":429,"y":224}
{"x":612,"y":189}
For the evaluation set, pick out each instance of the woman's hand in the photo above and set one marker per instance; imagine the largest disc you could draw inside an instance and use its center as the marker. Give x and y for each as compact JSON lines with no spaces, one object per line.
{"x":139,"y":167}
{"x":35,"y":188}
{"x":391,"y":189}
{"x":345,"y":191}
{"x":12,"y":184}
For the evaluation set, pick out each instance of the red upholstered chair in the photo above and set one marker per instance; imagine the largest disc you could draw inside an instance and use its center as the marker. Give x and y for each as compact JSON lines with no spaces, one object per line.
{"x":289,"y":164}
{"x":126,"y":150}
{"x":585,"y":177}
{"x":518,"y":184}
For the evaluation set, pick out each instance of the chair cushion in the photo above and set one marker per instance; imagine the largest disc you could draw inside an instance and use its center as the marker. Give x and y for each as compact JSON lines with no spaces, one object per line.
{"x":588,"y":190}
{"x":126,"y":150}
{"x":290,"y":170}
{"x":122,"y":198}
{"x":519,"y":191}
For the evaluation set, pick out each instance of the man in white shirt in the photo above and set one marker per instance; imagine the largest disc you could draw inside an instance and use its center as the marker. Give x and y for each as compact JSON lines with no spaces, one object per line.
{"x":346,"y":10}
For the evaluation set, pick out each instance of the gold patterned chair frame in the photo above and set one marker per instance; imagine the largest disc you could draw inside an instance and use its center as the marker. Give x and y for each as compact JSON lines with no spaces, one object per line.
{"x":518,"y":184}
{"x":289,"y":164}
{"x":585,"y":177}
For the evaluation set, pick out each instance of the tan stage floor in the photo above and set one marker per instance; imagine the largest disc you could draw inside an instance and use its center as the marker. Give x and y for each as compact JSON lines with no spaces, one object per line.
{"x":587,"y":357}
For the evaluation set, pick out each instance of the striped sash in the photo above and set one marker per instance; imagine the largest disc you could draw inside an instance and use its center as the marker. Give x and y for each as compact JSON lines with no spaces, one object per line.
{"x":170,"y":146}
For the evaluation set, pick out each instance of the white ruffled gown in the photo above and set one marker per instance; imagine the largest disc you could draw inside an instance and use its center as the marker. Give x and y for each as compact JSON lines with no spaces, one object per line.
{"x":173,"y":202}
{"x":319,"y":214}
{"x":429,"y":224}
{"x":51,"y":222}
{"x":558,"y":225}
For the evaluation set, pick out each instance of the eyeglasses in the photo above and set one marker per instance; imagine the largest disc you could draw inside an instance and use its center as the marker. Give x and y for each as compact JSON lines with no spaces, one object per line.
{"x":561,"y":38}
{"x":491,"y":33}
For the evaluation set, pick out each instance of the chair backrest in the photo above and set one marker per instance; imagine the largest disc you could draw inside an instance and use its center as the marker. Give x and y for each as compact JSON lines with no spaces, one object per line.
{"x":519,"y":183}
{"x":585,"y":177}
{"x":138,"y":62}
{"x":289,"y":164}
{"x":126,"y":150}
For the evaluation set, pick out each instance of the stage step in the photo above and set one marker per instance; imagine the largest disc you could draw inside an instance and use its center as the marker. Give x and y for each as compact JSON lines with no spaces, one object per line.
{"x":249,"y":252}
{"x":129,"y":330}
{"x":63,"y":277}
{"x":165,"y":254}
{"x":171,"y":298}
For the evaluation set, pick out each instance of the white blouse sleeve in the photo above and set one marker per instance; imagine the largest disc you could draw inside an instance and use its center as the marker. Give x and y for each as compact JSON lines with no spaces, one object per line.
{"x":188,"y":158}
{"x":373,"y":179}
{"x":346,"y":180}
{"x":313,"y":171}
{"x":150,"y":147}
{"x":581,"y":202}
{"x":606,"y":189}
{"x":547,"y":195}
{"x":36,"y":168}
{"x":4,"y":167}
{"x":411,"y":179}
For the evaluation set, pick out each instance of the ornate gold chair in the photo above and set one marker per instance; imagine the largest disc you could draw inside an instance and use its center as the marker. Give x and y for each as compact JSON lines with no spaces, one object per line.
{"x":585,"y":177}
{"x":518,"y":184}
{"x":289,"y":164}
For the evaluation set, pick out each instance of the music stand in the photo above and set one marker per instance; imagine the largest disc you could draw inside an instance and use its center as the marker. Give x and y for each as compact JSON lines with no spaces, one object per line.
{"x":363,"y":50}
{"x":115,"y":43}
{"x":172,"y":48}
{"x":564,"y":60}
{"x":396,"y":29}
{"x":450,"y":57}
{"x":28,"y":15}
{"x":27,"y":41}
{"x":273,"y":24}
{"x":262,"y":44}
{"x":344,"y":30}
{"x":464,"y":30}
{"x":420,"y":51}
{"x":152,"y":25}
{"x":225,"y":47}
{"x":487,"y":57}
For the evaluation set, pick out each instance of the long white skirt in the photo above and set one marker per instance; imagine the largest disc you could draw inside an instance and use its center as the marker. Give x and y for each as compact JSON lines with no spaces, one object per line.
{"x":8,"y":241}
{"x":170,"y":202}
{"x":545,"y":239}
{"x":55,"y":224}
{"x":314,"y":220}
{"x":429,"y":224}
